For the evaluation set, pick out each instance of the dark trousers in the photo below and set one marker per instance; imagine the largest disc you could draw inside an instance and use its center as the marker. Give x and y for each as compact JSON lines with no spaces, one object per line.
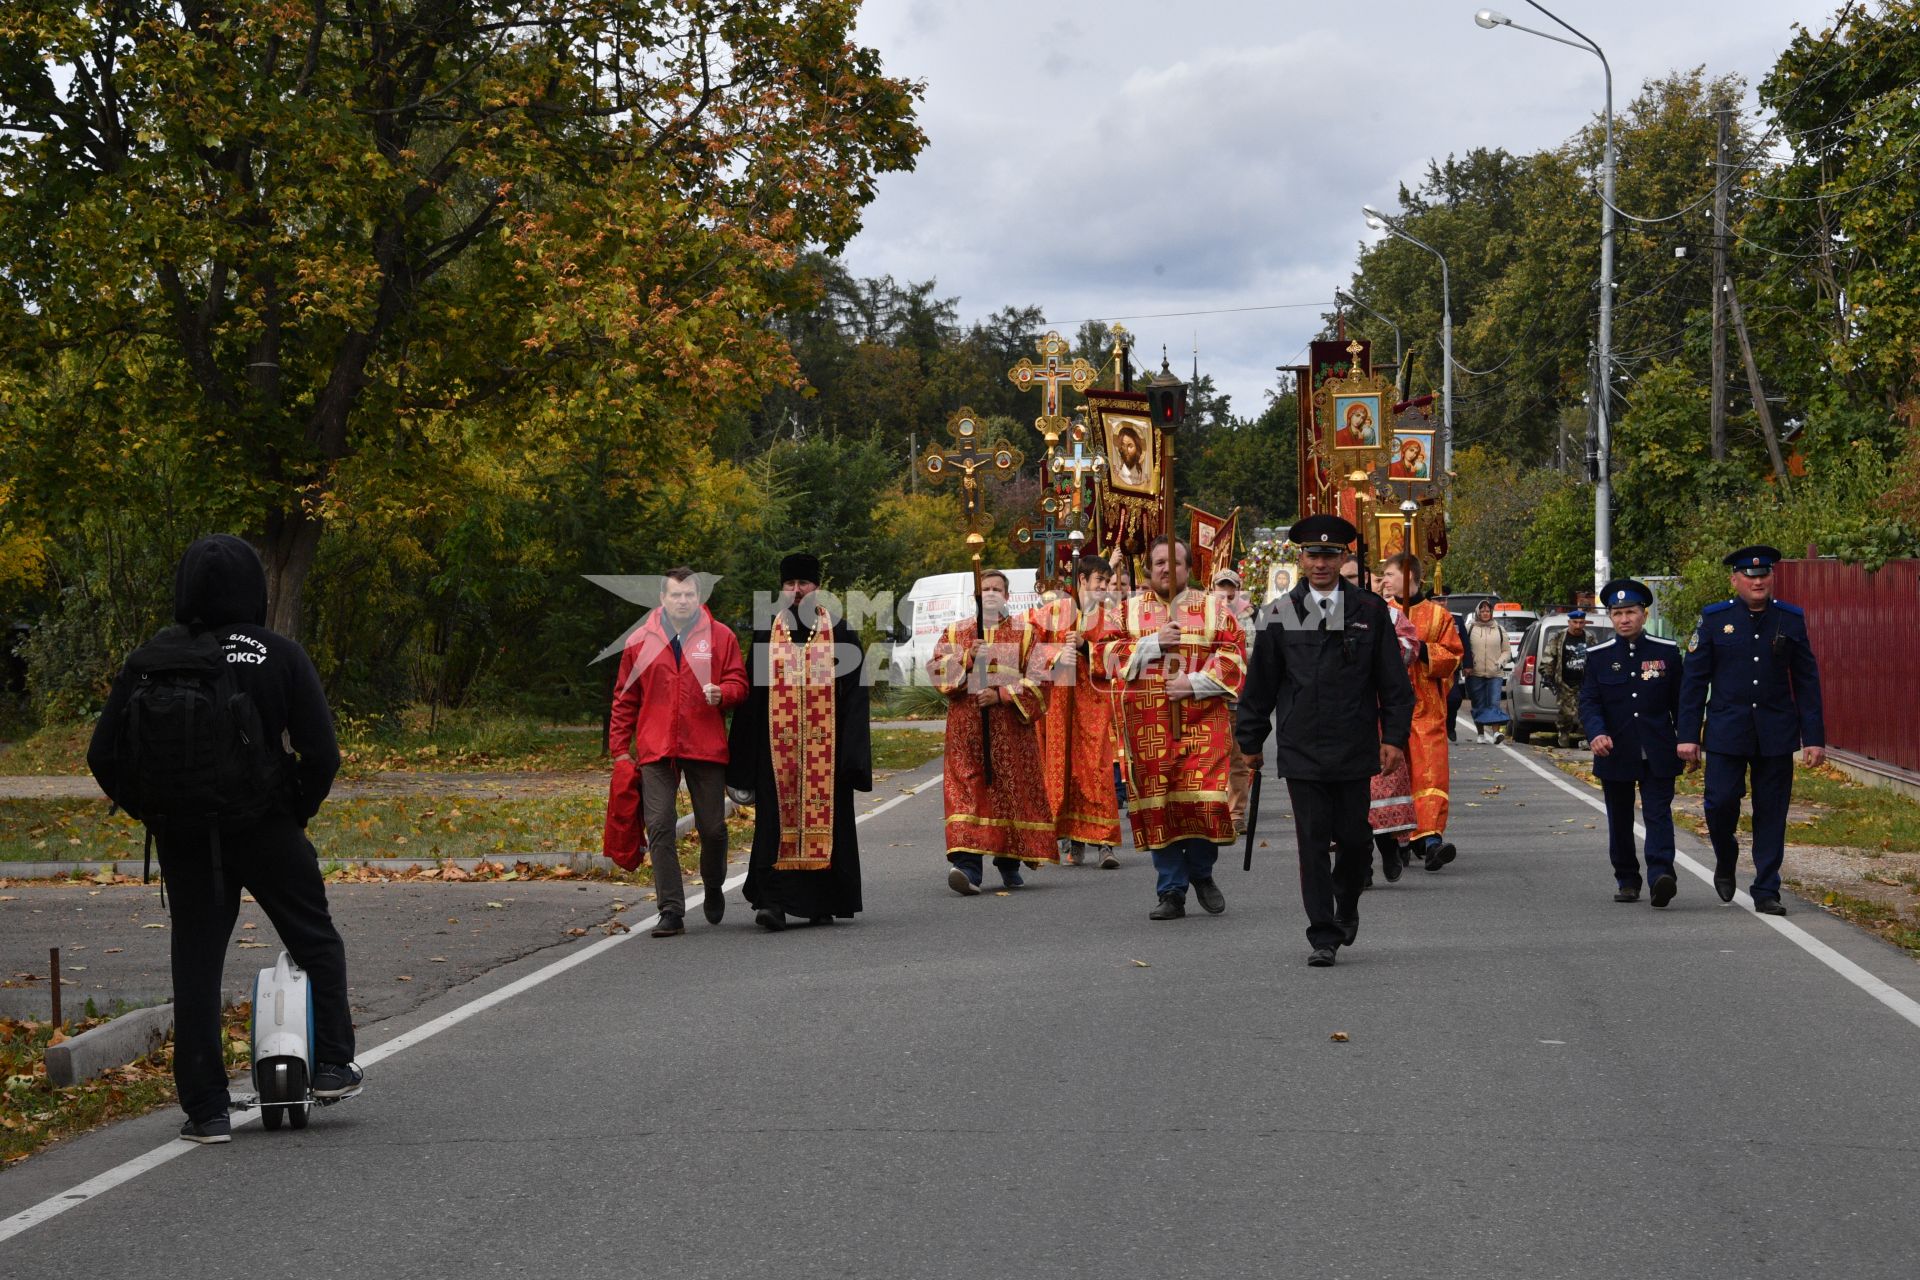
{"x":1181,"y":863}
{"x":971,"y":864}
{"x":1726,"y":785}
{"x":1331,"y":814}
{"x":1656,"y":807}
{"x":273,"y":862}
{"x":707,"y":788}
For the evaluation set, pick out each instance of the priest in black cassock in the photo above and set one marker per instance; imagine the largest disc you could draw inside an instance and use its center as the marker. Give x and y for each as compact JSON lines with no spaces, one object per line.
{"x":801,"y":744}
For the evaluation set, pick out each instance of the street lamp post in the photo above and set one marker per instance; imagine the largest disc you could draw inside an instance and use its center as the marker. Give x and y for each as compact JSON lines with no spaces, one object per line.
{"x":1378,"y":221}
{"x":1340,"y":296}
{"x":1603,"y":463}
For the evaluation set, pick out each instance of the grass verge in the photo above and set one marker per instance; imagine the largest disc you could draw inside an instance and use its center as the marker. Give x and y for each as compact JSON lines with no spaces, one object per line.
{"x":36,"y":1114}
{"x":1880,"y":918}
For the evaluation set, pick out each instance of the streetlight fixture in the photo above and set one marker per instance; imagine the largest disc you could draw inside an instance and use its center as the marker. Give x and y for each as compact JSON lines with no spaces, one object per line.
{"x":1340,"y":296}
{"x":1603,"y":460}
{"x":1379,"y":222}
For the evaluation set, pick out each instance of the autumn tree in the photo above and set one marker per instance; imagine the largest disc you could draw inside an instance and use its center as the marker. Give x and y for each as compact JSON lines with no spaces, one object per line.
{"x":269,"y":242}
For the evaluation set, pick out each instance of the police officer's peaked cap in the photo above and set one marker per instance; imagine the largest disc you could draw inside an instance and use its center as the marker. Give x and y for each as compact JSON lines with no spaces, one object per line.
{"x":1322,"y":533}
{"x":1755,"y":562}
{"x":1626,"y":591}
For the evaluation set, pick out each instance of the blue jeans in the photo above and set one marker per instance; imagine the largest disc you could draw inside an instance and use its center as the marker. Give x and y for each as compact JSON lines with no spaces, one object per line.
{"x":1183,"y":862}
{"x":1009,"y":868}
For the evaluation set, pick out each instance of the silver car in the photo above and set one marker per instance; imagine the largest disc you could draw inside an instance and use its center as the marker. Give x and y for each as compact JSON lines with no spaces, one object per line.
{"x":1529,"y":703}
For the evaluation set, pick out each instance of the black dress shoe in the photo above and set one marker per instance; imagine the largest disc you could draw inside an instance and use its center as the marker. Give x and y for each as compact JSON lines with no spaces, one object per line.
{"x":1439,"y":854}
{"x":1627,"y":895}
{"x":1207,"y":893}
{"x":1723,"y":885}
{"x":1350,"y":925}
{"x":1390,"y":864}
{"x":770,"y":920}
{"x":714,"y":905}
{"x":1406,"y":856}
{"x":819,"y":920}
{"x":1769,"y":907}
{"x":1173,"y":906}
{"x":1664,"y":887}
{"x":1322,"y":958}
{"x":672,"y":925}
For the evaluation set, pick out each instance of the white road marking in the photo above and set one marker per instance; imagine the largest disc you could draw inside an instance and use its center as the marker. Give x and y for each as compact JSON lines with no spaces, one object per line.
{"x":127,"y":1171}
{"x":1898,"y":1001}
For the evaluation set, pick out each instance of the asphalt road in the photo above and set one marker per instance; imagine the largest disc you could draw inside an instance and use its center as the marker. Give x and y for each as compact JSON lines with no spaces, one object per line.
{"x":1536,"y":1082}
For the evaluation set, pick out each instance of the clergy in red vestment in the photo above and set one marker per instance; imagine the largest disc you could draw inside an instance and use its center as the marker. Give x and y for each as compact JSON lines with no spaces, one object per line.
{"x":1006,"y":817}
{"x":1078,"y":737}
{"x":1431,"y":671}
{"x":1178,"y":657}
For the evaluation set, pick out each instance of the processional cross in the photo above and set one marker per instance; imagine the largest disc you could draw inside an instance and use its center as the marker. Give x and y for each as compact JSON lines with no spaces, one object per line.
{"x":1049,"y":533}
{"x":1049,"y":375}
{"x":965,"y":460}
{"x":1081,"y":465}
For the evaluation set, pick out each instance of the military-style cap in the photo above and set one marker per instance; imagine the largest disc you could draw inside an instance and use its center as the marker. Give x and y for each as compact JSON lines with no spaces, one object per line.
{"x":1577,"y":613}
{"x":1226,"y":575}
{"x":1626,"y":591}
{"x":1322,"y":535}
{"x":1754,"y":562}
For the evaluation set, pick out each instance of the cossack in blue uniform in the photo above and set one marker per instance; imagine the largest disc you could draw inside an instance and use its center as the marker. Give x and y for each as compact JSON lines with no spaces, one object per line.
{"x":1751,"y":698}
{"x":1631,"y":695}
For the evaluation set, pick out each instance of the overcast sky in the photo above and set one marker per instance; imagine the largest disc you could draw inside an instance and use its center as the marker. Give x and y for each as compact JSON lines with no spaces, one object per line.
{"x":1037,"y":115}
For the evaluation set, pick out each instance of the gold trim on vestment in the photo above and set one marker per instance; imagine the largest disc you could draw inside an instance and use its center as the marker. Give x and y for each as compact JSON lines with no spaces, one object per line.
{"x":1053,"y":857}
{"x":1008,"y":823}
{"x":1142,"y":803}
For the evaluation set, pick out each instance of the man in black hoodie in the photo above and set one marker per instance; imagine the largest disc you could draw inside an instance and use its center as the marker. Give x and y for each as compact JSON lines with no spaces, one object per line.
{"x":221,"y":585}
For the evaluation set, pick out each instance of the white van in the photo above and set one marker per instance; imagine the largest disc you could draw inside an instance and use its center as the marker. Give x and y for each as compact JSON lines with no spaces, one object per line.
{"x":935,"y":603}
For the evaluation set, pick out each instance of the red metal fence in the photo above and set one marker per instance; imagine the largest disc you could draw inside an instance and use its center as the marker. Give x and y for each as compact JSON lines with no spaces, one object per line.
{"x":1865,"y":629}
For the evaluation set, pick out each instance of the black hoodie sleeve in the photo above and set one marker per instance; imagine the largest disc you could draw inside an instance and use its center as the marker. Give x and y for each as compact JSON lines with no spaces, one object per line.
{"x":310,"y":733}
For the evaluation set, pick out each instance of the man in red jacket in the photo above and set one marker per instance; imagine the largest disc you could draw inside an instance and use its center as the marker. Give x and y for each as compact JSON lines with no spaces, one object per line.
{"x":679,"y":672}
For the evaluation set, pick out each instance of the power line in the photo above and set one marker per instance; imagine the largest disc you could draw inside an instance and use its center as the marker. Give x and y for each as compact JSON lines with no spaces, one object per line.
{"x":1176,"y":315}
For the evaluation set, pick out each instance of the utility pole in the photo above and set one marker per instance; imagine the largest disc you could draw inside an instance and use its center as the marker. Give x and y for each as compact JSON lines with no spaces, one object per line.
{"x":1717,"y":414}
{"x":1758,"y":392}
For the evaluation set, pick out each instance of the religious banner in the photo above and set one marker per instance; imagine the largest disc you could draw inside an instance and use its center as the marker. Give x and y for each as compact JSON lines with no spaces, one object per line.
{"x":1321,"y":478}
{"x":1130,"y":494}
{"x":1353,"y":412}
{"x":1210,"y":542}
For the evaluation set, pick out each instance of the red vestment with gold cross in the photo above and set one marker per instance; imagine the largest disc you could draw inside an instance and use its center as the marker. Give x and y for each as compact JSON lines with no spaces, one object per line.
{"x":1009,"y":817}
{"x":1078,"y":736}
{"x":1427,"y":747}
{"x":1178,"y":753}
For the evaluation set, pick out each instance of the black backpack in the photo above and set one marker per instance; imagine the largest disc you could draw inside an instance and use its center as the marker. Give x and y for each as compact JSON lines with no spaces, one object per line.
{"x":190,"y":745}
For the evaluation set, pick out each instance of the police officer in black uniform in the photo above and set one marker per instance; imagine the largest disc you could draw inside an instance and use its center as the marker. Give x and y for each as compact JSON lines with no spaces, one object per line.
{"x":1752,"y":653}
{"x":1325,"y":658}
{"x":1628,"y":702}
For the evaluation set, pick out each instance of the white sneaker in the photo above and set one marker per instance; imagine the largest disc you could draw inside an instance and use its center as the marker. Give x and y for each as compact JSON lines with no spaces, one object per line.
{"x":1479,"y":735}
{"x":1499,"y":736}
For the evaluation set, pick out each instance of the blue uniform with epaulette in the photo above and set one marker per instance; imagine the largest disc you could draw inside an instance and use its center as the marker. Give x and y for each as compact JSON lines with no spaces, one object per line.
{"x":1631,"y":695}
{"x":1751,"y":674}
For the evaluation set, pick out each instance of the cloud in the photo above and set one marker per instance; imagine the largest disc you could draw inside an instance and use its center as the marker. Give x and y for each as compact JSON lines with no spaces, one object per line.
{"x":1133,"y":157}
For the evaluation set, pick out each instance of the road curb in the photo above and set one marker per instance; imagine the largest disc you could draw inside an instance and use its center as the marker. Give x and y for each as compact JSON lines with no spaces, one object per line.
{"x":113,"y":1044}
{"x":579,"y":859}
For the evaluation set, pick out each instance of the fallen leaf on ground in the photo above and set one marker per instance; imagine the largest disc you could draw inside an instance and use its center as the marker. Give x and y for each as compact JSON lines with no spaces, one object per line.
{"x":114,"y":951}
{"x":576,"y":933}
{"x":403,"y":977}
{"x":498,"y":906}
{"x":1338,"y":1037}
{"x":252,"y":946}
{"x":1001,"y":893}
{"x":616,"y":926}
{"x":153,"y":926}
{"x":248,"y":925}
{"x":1142,"y":964}
{"x":436,"y":959}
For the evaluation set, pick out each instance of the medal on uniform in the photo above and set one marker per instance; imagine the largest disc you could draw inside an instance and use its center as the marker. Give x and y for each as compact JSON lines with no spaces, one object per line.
{"x":1728,"y":628}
